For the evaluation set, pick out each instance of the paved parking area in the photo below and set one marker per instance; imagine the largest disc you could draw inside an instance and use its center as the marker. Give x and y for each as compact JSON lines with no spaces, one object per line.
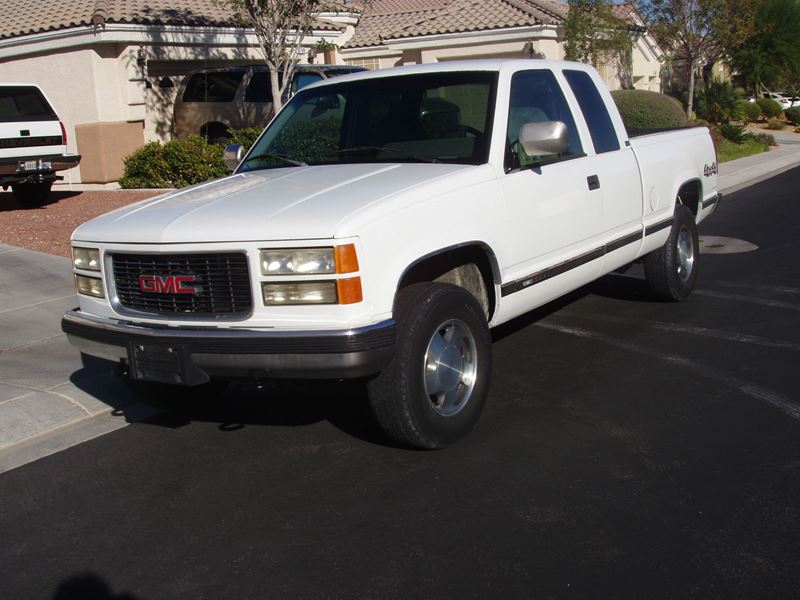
{"x":49,"y":397}
{"x":629,"y":449}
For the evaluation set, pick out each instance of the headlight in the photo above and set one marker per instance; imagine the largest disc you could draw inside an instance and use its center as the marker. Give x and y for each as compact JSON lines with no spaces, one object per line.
{"x":86,"y":258}
{"x":309,"y":261}
{"x":89,"y":286}
{"x":305,"y":292}
{"x":297,"y":261}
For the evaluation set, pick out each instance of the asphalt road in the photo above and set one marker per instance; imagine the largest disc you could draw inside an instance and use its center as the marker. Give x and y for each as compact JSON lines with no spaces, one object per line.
{"x":630,"y":449}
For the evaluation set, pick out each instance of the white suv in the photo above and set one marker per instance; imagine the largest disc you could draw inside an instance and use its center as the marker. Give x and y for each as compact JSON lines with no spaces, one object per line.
{"x":33,"y":143}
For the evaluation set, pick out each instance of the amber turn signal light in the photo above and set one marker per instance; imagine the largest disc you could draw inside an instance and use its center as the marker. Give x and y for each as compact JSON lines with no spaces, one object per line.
{"x":346,"y":260}
{"x":349,"y":290}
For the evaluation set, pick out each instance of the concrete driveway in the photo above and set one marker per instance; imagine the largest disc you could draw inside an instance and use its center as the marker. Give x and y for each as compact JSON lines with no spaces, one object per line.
{"x":49,"y":398}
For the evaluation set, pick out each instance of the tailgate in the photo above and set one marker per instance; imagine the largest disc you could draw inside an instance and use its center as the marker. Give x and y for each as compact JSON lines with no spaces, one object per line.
{"x":28,"y":124}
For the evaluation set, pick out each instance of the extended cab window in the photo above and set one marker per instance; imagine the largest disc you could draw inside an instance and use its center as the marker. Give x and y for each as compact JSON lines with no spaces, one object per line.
{"x":24,"y":103}
{"x":213,"y":87}
{"x":604,"y":137}
{"x":536,"y":97}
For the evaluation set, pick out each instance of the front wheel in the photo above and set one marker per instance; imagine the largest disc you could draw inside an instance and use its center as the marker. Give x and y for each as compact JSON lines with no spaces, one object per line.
{"x":671,"y":271}
{"x":434,"y":389}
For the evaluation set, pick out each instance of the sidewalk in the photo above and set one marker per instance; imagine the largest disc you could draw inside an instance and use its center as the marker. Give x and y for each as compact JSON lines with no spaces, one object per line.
{"x":51,"y":398}
{"x":738,"y":174}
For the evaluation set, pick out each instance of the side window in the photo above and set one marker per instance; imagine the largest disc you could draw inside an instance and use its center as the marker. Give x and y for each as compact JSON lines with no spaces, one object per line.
{"x":259,"y":89}
{"x":604,"y":137}
{"x":213,"y":87}
{"x":535,"y":97}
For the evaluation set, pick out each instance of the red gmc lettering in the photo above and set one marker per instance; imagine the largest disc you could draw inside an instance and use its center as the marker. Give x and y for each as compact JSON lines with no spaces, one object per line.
{"x":171,"y":284}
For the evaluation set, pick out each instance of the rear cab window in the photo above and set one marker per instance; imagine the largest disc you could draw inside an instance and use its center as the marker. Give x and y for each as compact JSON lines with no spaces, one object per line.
{"x":20,"y":103}
{"x":595,"y":112}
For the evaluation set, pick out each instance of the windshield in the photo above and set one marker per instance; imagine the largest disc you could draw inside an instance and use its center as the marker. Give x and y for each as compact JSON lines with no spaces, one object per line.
{"x":431,"y":117}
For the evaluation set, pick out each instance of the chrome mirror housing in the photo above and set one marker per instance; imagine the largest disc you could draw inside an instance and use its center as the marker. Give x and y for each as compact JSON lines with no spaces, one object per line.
{"x":544,"y":138}
{"x":232,"y":156}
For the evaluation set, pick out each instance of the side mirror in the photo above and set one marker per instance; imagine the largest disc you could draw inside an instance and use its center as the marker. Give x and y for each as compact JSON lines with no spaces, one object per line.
{"x":544,"y":138}
{"x":232,"y":156}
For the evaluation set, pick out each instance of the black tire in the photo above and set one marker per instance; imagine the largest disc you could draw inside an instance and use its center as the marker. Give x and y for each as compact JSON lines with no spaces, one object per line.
{"x":166,"y":396}
{"x":671,"y":271}
{"x":32,"y":194}
{"x":431,"y":316}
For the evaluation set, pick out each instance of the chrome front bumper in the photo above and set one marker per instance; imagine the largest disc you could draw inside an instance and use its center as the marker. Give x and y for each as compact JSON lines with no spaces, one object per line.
{"x":231,"y":352}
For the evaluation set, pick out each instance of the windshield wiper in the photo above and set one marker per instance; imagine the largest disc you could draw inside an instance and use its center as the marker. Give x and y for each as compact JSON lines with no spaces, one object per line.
{"x":360,"y":149}
{"x":286,"y":159}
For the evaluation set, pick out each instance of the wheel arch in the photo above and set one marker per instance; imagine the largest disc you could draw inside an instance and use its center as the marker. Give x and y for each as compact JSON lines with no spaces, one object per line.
{"x":690,"y":194}
{"x":448,"y":265}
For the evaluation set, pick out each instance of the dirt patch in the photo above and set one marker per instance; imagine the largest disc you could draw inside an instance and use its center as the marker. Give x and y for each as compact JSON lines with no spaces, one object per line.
{"x":48,"y":228}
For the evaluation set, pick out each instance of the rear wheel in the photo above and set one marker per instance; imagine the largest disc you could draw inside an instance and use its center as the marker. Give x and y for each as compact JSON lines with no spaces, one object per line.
{"x":32,"y":194}
{"x":671,"y":271}
{"x":434,"y":389}
{"x":166,"y":396}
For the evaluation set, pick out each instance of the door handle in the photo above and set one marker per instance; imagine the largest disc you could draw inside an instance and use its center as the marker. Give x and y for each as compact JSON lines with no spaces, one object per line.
{"x":593,"y":181}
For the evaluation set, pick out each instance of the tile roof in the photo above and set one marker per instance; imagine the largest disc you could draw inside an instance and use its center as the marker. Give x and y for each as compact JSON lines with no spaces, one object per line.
{"x":396,"y":19}
{"x":23,"y":17}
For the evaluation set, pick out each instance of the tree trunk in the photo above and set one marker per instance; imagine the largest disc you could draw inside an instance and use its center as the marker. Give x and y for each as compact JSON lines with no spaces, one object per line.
{"x":277,"y":101}
{"x":690,"y":101}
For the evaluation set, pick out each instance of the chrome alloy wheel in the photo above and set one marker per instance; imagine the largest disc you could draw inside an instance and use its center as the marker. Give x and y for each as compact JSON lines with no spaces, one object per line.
{"x":686,"y":254}
{"x":451,"y":365}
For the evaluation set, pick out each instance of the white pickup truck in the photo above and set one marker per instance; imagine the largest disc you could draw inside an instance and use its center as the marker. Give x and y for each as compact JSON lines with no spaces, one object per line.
{"x":33,"y":143}
{"x":380,"y":226}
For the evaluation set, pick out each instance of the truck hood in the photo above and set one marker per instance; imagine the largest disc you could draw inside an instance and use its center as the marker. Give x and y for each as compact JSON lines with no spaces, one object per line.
{"x":276,"y":204}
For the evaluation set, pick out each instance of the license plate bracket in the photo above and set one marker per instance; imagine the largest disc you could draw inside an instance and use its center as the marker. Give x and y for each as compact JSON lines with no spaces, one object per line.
{"x":163,"y":363}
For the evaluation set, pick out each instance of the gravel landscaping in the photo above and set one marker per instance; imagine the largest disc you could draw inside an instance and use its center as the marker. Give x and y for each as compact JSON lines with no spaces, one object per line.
{"x":48,"y":228}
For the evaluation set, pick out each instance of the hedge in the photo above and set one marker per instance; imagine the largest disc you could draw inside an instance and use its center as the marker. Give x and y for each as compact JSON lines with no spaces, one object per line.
{"x":177,"y":163}
{"x":641,"y":109}
{"x":770,"y":107}
{"x":750,"y":111}
{"x":793,"y":114}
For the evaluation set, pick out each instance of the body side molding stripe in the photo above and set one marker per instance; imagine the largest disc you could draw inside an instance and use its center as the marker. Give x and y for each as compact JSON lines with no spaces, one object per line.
{"x":651,"y":229}
{"x":573,"y":263}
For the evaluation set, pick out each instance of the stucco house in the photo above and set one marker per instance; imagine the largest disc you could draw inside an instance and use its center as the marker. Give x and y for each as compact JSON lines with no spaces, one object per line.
{"x":112,"y":67}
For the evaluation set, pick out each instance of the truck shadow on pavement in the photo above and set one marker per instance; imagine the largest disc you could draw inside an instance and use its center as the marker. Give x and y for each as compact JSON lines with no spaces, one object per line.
{"x":88,"y":586}
{"x":8,"y":202}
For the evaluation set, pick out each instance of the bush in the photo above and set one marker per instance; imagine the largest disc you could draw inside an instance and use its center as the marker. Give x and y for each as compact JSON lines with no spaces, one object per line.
{"x":775,"y":124}
{"x":765,"y":138}
{"x":735,"y":133}
{"x":246,"y":137}
{"x":641,"y":109}
{"x":793,"y":114}
{"x":177,"y":163}
{"x":749,"y":111}
{"x":769,"y":107}
{"x":718,"y":101}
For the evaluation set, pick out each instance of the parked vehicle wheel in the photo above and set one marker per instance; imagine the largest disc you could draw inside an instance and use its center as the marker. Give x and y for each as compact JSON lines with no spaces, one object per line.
{"x":434,"y":390}
{"x":32,"y":194}
{"x":165,"y":396}
{"x":671,"y":271}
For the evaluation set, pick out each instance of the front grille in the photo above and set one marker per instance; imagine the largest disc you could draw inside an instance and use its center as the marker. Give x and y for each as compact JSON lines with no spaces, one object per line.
{"x":222,"y":282}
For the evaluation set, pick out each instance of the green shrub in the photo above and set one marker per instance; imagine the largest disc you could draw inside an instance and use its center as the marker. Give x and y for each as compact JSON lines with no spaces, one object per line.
{"x":769,"y":107}
{"x":246,"y":137}
{"x":177,"y":163}
{"x":749,"y":111}
{"x":718,"y":101}
{"x":735,"y":133}
{"x":793,"y":114}
{"x":765,"y":138}
{"x":776,"y":124}
{"x":641,"y":109}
